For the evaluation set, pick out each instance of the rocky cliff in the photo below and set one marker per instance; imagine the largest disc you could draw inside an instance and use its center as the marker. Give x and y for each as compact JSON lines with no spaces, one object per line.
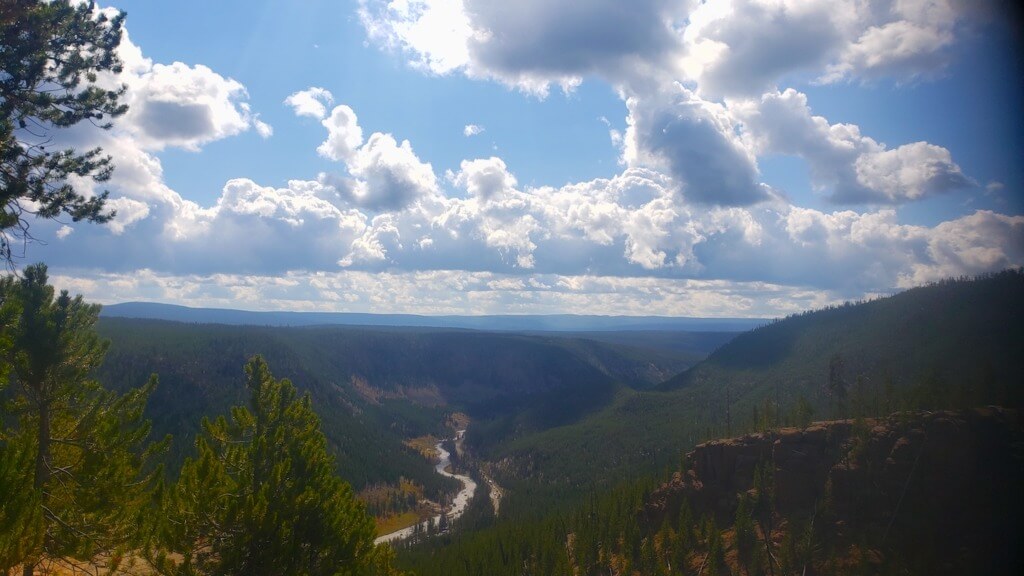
{"x":924,"y":492}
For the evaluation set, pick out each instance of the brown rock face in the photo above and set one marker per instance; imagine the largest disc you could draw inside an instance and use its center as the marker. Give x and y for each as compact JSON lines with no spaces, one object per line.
{"x":945,"y":486}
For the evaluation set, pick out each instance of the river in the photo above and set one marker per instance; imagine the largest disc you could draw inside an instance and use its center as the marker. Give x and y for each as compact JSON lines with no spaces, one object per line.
{"x":458,"y":504}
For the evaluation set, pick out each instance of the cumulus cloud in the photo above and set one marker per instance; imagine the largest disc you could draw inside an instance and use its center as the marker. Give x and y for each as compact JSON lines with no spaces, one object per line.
{"x":686,"y":227}
{"x":389,"y":175}
{"x":697,"y":141}
{"x":344,"y":135}
{"x":531,"y":44}
{"x":312,"y":102}
{"x":472,"y":130}
{"x":743,"y":47}
{"x":128,"y":211}
{"x":680,"y":66}
{"x":910,"y":172}
{"x":846,"y":165}
{"x":485,"y":178}
{"x":977,"y":243}
{"x":184,"y":106}
{"x":911,"y":39}
{"x":729,"y":47}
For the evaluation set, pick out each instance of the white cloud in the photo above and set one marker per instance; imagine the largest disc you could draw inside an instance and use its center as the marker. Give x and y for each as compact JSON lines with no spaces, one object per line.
{"x":129,"y":212}
{"x":435,"y":32}
{"x":344,"y":135}
{"x":729,"y":47}
{"x":530,"y":44}
{"x":183,"y":106}
{"x":262,"y":128}
{"x":745,"y":46}
{"x":981,"y":242}
{"x":911,"y":39}
{"x":846,"y":165}
{"x":386,"y":175}
{"x":697,"y":142}
{"x":686,"y":228}
{"x":485,"y":178}
{"x":445,"y":292}
{"x":472,"y":130}
{"x":389,"y":175}
{"x":312,"y":102}
{"x":910,"y":172}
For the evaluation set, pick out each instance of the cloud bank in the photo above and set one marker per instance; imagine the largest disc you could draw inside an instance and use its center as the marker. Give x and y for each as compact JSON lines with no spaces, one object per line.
{"x":687,"y":226}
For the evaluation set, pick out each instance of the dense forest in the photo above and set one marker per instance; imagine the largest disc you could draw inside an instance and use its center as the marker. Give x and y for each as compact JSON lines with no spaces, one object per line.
{"x":595,"y":461}
{"x":83,"y":483}
{"x":962,"y":346}
{"x":377,"y":387}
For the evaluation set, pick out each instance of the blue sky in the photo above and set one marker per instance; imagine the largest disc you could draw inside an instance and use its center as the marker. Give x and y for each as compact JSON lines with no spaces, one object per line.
{"x":672,"y":157}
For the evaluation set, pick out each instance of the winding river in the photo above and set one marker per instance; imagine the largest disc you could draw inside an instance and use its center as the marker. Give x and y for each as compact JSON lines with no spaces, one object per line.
{"x":458,"y":504}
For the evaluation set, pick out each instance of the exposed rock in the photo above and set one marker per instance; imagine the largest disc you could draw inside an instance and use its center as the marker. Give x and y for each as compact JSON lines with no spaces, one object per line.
{"x":948,"y":483}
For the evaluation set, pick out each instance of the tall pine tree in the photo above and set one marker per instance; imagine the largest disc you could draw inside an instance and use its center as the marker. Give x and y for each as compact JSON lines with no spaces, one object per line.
{"x":75,"y":463}
{"x":262,"y":496}
{"x":51,"y":56}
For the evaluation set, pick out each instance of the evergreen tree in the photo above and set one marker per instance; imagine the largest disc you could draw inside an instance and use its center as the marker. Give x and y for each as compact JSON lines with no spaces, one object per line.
{"x":746,"y":538}
{"x":50,"y":55}
{"x":803,"y":412}
{"x":837,"y":386}
{"x":262,"y":497}
{"x":83,"y":494}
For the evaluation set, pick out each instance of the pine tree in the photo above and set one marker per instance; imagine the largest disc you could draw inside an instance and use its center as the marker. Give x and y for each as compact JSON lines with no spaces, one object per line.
{"x":746,"y":538}
{"x":837,"y":386}
{"x":803,"y":412}
{"x":86,"y":486}
{"x":51,"y":53}
{"x":262,"y":497}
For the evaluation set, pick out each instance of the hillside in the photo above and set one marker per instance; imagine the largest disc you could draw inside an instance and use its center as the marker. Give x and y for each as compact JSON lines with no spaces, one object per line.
{"x":954,"y":344}
{"x":955,"y":330}
{"x":376,"y":387}
{"x":916,"y":492}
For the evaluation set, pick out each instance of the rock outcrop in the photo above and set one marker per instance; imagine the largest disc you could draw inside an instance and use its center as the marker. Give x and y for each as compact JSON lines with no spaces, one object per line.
{"x":942,"y":486}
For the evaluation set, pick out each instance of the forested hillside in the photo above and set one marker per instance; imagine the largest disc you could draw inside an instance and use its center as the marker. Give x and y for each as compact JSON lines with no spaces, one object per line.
{"x":955,"y":343}
{"x":575,"y":493}
{"x":376,"y":387}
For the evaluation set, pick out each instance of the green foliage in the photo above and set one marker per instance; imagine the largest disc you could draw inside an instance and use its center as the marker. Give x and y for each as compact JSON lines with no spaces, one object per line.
{"x":837,"y":385}
{"x":51,"y":54}
{"x":958,"y":344}
{"x":746,"y":538}
{"x":966,"y":332}
{"x":375,"y":387}
{"x":261,"y":496}
{"x":803,"y":412}
{"x":20,"y":513}
{"x":77,"y":478}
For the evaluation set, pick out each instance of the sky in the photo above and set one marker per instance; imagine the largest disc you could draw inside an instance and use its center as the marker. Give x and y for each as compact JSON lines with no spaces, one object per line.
{"x":725,"y":158}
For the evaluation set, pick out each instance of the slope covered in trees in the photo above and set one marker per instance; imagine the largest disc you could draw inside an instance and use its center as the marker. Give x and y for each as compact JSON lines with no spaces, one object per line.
{"x":957,"y":343}
{"x":954,"y":330}
{"x":579,"y":496}
{"x":81,"y":484}
{"x":375,"y":387}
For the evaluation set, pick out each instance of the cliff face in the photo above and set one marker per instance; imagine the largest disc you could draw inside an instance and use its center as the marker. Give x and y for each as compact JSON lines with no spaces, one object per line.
{"x":940,"y":491}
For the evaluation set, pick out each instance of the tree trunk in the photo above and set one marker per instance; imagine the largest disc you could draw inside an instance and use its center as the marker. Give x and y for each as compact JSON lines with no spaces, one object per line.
{"x":42,"y":475}
{"x":43,"y":454}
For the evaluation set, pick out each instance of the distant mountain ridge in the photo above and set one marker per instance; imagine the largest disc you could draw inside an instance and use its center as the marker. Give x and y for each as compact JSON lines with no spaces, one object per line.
{"x":517,"y":323}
